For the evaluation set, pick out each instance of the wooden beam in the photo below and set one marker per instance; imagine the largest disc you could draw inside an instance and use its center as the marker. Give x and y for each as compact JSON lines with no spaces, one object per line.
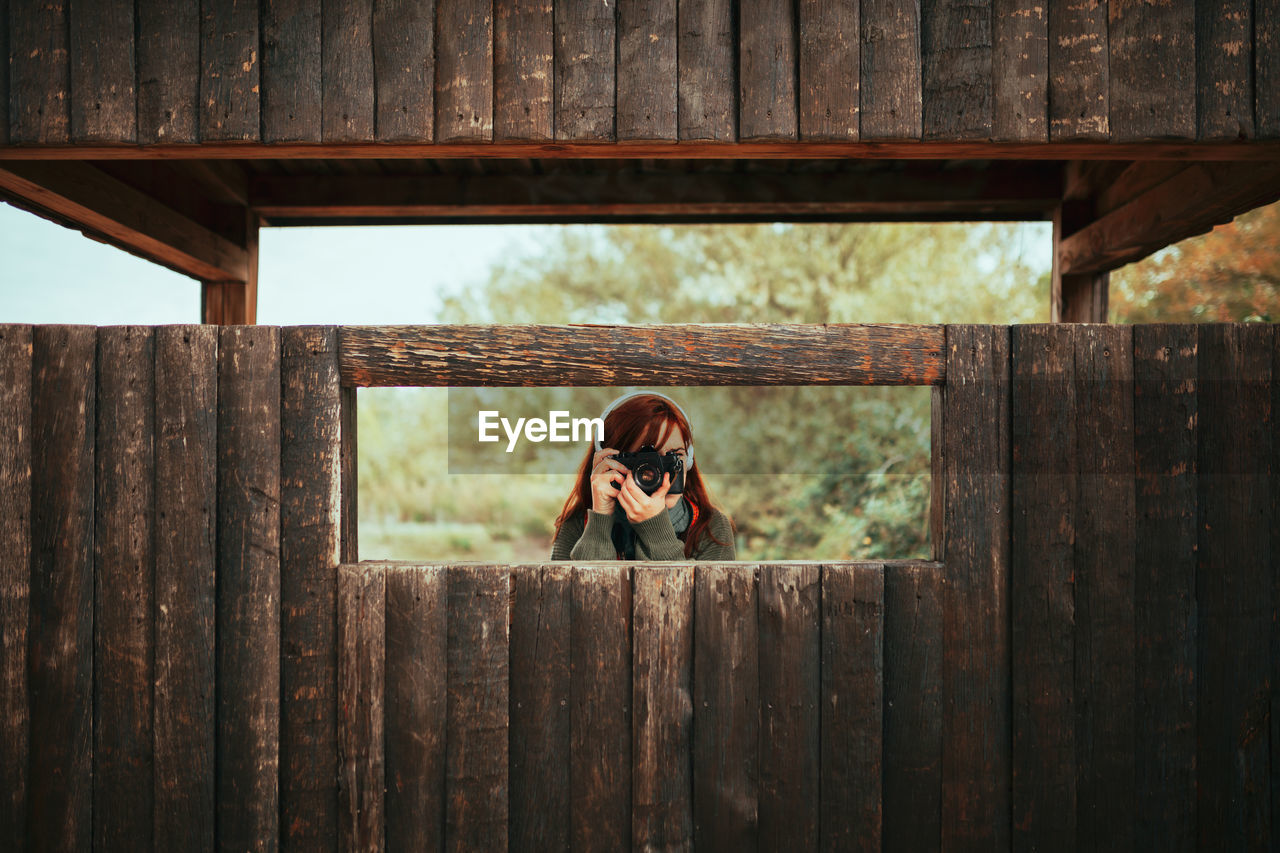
{"x":1075,"y":298}
{"x":234,"y":303}
{"x":88,"y":198}
{"x":712,"y":354}
{"x":1190,"y":202}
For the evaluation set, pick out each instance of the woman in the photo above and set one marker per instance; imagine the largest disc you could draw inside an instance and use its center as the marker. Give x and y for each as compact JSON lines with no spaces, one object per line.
{"x":609,"y":517}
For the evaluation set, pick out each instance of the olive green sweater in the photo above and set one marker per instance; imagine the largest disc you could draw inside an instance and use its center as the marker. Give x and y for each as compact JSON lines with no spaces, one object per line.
{"x":656,"y":539}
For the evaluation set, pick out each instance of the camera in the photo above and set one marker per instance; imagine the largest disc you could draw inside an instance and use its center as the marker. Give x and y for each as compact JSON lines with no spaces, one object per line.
{"x":647,"y":466}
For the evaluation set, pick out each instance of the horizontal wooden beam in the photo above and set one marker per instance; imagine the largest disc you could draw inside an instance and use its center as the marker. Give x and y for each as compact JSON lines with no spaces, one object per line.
{"x":1026,"y":189}
{"x":85,"y":197}
{"x":927,"y":150}
{"x":752,"y":354}
{"x":1190,"y":202}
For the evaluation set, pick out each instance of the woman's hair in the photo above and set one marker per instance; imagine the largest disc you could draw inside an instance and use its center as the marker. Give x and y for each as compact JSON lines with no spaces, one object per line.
{"x":637,"y":421}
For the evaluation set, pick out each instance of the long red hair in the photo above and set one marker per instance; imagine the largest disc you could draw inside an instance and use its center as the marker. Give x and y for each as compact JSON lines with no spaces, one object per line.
{"x":640,"y":420}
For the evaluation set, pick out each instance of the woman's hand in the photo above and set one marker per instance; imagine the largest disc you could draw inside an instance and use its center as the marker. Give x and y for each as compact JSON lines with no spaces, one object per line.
{"x":604,"y":473}
{"x":641,"y":507}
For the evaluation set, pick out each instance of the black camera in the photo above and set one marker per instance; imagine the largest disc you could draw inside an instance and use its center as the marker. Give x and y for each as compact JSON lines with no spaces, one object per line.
{"x":648,"y":465}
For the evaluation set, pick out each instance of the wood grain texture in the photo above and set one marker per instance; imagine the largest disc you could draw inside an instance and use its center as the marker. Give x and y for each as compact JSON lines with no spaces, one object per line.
{"x":4,"y":72}
{"x":523,"y":70}
{"x":890,"y":81}
{"x":186,"y":494}
{"x":464,"y":70}
{"x":168,"y":42}
{"x":1020,"y":71}
{"x":600,"y":707}
{"x":955,"y":48}
{"x":361,"y":702}
{"x":310,"y":512}
{"x":347,"y":75}
{"x":1266,"y":74}
{"x":248,"y":620}
{"x":726,"y":713}
{"x":291,"y":71}
{"x":705,"y":51}
{"x":541,"y":709}
{"x":1104,"y":603}
{"x":103,"y":97}
{"x":1224,"y":73}
{"x":15,"y":577}
{"x":913,"y":595}
{"x":829,"y":69}
{"x":123,"y":648}
{"x":790,"y":666}
{"x":229,"y":71}
{"x":375,"y":356}
{"x":1151,"y":71}
{"x":662,"y":690}
{"x":39,"y":73}
{"x":1233,"y":585}
{"x":976,"y":725}
{"x":1165,"y":414}
{"x":767,"y":69}
{"x":852,"y":707}
{"x":417,"y":632}
{"x":585,"y":69}
{"x":60,"y":633}
{"x":648,"y":76}
{"x":476,"y":762}
{"x":1078,"y":84}
{"x":1042,"y":568}
{"x":404,"y":36}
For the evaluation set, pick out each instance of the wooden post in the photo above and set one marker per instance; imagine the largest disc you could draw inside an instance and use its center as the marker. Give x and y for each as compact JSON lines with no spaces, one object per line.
{"x":235,"y":303}
{"x":1074,"y":298}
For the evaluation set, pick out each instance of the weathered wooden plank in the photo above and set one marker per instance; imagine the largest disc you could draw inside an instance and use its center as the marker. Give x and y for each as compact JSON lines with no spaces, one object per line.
{"x":347,"y":75}
{"x":1020,"y":71}
{"x":913,"y":706}
{"x":1104,"y":578}
{"x":955,"y":48}
{"x":1078,"y":86}
{"x":349,"y":523}
{"x":103,"y":101}
{"x":706,"y":65}
{"x":123,"y":650}
{"x":403,"y":69}
{"x":541,"y":795}
{"x":1043,"y":487}
{"x":600,"y":706}
{"x":662,"y":665}
{"x":361,"y":692}
{"x":374,"y":356}
{"x":229,"y":70}
{"x":1224,"y":69}
{"x":829,"y":69}
{"x":39,"y":73}
{"x":248,"y":619}
{"x":417,"y":630}
{"x":310,"y":509}
{"x":15,"y":576}
{"x":476,"y":781}
{"x":890,"y":79}
{"x":1165,"y":412}
{"x":168,"y":70}
{"x":464,"y":70}
{"x":790,"y":705}
{"x":1266,"y":75}
{"x":726,"y":712}
{"x":585,"y":69}
{"x":852,"y":707}
{"x":647,"y":75}
{"x":767,"y":69}
{"x":976,"y":726}
{"x":1275,"y":564}
{"x":60,"y":634}
{"x":4,"y":72}
{"x":291,"y":71}
{"x":1233,"y":585}
{"x":1151,"y":69}
{"x":186,"y":425}
{"x":523,"y":70}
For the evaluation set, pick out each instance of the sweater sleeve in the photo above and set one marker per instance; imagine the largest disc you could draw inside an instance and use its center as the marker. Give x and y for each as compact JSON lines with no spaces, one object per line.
{"x":710,"y":550}
{"x":656,"y":539}
{"x":596,"y":542}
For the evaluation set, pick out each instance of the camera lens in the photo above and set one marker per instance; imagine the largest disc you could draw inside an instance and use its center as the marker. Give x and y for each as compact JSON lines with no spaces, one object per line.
{"x":647,"y":476}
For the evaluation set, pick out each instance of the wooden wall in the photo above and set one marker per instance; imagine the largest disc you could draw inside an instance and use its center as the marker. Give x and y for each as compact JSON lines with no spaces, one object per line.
{"x":155,"y":71}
